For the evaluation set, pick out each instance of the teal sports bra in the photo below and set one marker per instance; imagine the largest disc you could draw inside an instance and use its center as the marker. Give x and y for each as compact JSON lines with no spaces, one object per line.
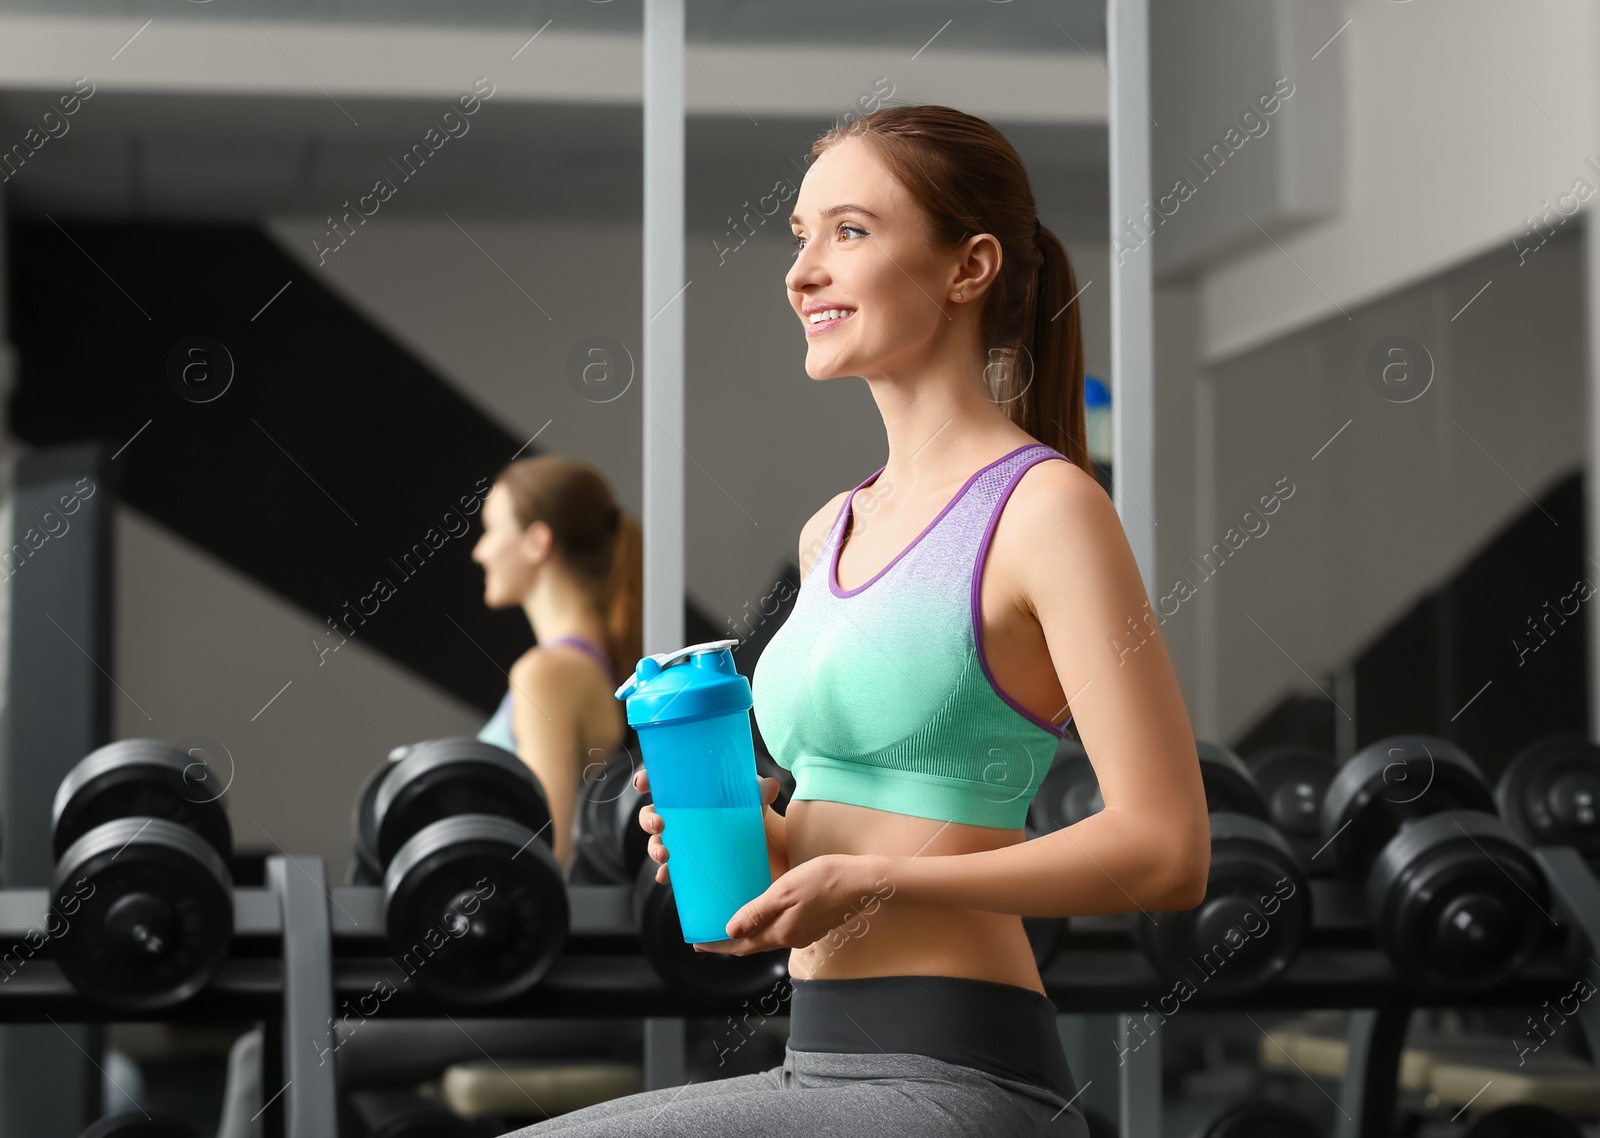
{"x":880,"y":696}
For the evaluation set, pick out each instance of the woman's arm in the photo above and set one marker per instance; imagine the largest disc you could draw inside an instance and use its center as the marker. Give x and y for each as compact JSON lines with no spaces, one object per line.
{"x":1150,"y":847}
{"x":547,"y":740}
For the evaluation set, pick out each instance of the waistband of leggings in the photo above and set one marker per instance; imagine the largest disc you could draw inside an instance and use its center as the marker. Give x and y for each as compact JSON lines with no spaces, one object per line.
{"x":1003,"y":1029}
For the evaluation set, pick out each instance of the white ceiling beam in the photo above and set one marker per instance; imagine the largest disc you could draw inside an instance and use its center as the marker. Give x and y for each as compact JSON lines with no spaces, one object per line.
{"x":363,"y":61}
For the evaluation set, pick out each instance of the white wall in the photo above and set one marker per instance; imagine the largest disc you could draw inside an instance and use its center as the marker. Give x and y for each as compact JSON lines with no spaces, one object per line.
{"x":1402,"y":496}
{"x":1463,"y":118}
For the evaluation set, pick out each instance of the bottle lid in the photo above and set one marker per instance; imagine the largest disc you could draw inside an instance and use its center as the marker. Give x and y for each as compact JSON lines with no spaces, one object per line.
{"x":1095,"y":393}
{"x":689,"y":683}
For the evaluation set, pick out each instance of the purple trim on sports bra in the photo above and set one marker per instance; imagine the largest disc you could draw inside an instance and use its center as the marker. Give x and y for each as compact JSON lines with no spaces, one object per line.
{"x":588,"y":646}
{"x":977,"y":584}
{"x":844,"y":516}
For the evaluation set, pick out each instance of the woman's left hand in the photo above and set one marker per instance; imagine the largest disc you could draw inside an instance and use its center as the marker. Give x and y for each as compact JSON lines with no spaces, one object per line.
{"x":801,"y":906}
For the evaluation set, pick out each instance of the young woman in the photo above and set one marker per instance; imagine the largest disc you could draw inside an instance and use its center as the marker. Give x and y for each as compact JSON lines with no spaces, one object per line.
{"x":556,"y":544}
{"x":922,"y":681}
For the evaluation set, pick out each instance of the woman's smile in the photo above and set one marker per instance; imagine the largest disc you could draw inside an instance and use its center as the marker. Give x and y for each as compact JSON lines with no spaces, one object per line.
{"x":821,"y":326}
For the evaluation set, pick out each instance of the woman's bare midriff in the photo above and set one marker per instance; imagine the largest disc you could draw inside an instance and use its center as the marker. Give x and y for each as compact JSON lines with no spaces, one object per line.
{"x":890,"y":935}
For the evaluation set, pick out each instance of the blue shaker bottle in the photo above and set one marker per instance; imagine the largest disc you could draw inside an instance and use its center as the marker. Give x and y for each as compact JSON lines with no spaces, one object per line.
{"x":691,"y":709}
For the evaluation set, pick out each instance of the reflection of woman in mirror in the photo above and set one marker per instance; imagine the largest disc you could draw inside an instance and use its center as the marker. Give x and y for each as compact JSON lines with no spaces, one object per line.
{"x":921,"y":684}
{"x":556,"y":544}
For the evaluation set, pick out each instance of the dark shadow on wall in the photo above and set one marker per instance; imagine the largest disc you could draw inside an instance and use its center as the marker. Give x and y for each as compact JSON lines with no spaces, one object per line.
{"x":260,"y":417}
{"x":1492,"y":660}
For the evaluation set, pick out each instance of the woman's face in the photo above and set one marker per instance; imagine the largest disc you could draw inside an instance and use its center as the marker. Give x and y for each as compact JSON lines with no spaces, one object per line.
{"x":873,"y":259}
{"x":506,"y":551}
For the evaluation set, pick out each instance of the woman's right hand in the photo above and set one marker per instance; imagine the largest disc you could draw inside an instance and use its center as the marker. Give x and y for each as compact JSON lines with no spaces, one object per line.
{"x":651,"y":822}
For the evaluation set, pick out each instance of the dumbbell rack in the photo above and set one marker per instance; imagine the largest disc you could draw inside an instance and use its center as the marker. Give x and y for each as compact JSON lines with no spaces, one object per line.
{"x":301,"y":949}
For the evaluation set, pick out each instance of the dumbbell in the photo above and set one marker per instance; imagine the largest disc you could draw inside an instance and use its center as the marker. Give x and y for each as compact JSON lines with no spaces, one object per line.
{"x":138,"y":1124}
{"x":141,"y":879}
{"x":714,"y":975}
{"x":1456,"y":901}
{"x":399,"y":1114}
{"x":611,"y":845}
{"x":1550,"y":795}
{"x":365,"y":867}
{"x":1256,"y":910}
{"x":1294,"y":780}
{"x":460,"y":829}
{"x":1258,"y":1120}
{"x":1523,"y":1120}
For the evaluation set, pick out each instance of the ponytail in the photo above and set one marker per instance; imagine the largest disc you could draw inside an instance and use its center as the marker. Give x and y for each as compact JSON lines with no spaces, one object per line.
{"x":624,"y":610}
{"x":1051,"y":408}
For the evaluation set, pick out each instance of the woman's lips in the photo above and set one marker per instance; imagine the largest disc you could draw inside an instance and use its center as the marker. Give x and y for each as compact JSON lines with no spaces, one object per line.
{"x":827,"y":325}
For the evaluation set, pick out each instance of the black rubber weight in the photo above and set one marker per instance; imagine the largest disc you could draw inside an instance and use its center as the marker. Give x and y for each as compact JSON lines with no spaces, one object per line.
{"x":144,"y":778}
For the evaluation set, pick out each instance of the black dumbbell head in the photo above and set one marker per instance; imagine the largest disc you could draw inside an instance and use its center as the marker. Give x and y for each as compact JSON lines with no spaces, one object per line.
{"x":1457,"y":902}
{"x":1550,"y":795}
{"x":1393,"y":780}
{"x":1252,"y":922}
{"x":715,"y":976}
{"x":138,"y":1124}
{"x":1294,"y":781}
{"x":366,"y":868}
{"x":1229,"y":786}
{"x":611,"y":843}
{"x":1260,"y":1120}
{"x":1070,"y":792}
{"x":1523,"y":1120}
{"x":475,"y":908}
{"x":442,"y":778}
{"x":144,"y":778}
{"x":151,"y":915}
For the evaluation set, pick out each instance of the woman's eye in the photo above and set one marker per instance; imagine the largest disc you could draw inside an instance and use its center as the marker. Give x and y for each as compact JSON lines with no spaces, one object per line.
{"x":800,"y":242}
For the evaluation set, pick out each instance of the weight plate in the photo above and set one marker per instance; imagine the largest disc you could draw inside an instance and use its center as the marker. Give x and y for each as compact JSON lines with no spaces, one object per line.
{"x":1228,"y":783}
{"x":1524,"y":1120}
{"x":442,"y":778}
{"x":475,"y":908}
{"x":156,"y":921}
{"x":1457,"y":902}
{"x":1395,"y":779}
{"x":1550,"y":795}
{"x":610,"y":840}
{"x":366,"y":869}
{"x":1260,"y":1120}
{"x":1294,"y":781}
{"x":712,"y":975}
{"x":143,"y":778}
{"x":1252,"y":922}
{"x":138,"y":1124}
{"x":1070,"y":792}
{"x":402,"y":1114}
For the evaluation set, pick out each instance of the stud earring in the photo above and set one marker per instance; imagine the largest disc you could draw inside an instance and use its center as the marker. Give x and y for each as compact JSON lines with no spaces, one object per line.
{"x":958,"y":296}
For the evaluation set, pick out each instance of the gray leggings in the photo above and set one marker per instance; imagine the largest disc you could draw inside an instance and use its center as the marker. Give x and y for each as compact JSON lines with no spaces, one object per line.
{"x":818,"y":1093}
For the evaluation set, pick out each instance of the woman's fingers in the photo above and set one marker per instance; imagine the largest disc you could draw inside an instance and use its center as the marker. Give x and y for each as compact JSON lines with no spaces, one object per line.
{"x":769,"y":790}
{"x":652,"y":824}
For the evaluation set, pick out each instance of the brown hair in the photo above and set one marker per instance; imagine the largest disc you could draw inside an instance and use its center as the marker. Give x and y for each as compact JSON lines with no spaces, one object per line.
{"x":596,"y":538}
{"x":968,"y":179}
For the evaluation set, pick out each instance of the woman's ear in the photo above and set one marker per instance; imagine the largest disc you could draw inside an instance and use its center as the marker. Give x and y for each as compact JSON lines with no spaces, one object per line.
{"x":537,"y":542}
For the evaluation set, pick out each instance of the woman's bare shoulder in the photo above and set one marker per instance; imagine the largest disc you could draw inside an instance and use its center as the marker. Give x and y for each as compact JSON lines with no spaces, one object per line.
{"x":815,"y":532}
